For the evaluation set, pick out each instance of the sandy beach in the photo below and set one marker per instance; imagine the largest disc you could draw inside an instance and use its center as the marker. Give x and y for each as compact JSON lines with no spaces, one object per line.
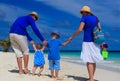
{"x":69,"y":71}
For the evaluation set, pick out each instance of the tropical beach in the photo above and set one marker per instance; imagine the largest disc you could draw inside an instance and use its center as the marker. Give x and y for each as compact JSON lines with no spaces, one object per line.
{"x":70,"y":70}
{"x":79,"y":40}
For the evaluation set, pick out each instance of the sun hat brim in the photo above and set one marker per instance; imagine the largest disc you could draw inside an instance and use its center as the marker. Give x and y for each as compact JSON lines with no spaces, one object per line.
{"x":85,"y":9}
{"x":35,"y":14}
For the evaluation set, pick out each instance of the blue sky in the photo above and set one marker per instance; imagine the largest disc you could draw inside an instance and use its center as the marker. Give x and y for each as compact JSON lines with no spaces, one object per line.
{"x":63,"y":15}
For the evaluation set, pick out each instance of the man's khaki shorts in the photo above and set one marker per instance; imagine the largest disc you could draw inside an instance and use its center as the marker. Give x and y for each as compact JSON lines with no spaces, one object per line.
{"x":19,"y":44}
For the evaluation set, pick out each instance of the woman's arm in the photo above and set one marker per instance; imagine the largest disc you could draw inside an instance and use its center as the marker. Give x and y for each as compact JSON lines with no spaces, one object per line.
{"x":65,"y":43}
{"x":99,"y":26}
{"x":77,"y":31}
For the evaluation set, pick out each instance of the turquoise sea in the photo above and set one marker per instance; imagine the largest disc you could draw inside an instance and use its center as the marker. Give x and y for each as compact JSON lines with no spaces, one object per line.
{"x":113,"y":56}
{"x":111,"y":64}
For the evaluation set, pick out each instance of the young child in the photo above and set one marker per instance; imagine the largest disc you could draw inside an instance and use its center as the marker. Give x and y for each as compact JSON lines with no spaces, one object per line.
{"x":38,"y":58}
{"x":104,"y":51}
{"x":54,"y":54}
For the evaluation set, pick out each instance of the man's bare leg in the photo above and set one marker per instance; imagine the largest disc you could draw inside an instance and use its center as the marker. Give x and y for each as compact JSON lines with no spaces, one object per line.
{"x":19,"y":62}
{"x":26,"y":59}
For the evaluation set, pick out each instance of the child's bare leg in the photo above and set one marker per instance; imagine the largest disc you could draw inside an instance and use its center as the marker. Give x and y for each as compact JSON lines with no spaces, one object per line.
{"x":56,"y":75}
{"x":52,"y":74}
{"x":34,"y":69}
{"x":41,"y":69}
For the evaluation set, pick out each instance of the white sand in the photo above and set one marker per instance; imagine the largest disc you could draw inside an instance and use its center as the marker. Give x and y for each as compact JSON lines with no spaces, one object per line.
{"x":69,"y":71}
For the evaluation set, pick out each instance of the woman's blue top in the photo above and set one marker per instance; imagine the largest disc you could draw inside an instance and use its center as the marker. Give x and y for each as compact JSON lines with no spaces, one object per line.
{"x":90,"y":22}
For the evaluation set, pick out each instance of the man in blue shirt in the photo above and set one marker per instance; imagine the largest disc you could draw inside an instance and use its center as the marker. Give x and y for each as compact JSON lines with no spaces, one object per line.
{"x":19,"y":36}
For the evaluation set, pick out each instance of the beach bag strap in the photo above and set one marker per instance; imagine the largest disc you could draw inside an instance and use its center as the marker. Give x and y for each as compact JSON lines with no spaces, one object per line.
{"x":97,"y":24}
{"x":98,"y":35}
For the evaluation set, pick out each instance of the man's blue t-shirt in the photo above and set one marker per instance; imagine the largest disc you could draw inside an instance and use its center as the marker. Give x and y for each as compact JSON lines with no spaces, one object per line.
{"x":20,"y":25}
{"x":90,"y":22}
{"x":53,"y":47}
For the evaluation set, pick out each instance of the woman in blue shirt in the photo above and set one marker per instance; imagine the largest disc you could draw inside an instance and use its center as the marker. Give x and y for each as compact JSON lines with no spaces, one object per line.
{"x":90,"y":51}
{"x":19,"y":36}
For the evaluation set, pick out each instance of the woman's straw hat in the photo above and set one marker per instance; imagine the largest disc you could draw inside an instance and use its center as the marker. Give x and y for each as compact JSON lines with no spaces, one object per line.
{"x":35,"y":14}
{"x":85,"y":9}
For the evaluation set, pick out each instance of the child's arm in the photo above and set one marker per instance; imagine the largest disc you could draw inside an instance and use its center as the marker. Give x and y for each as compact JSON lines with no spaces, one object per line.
{"x":32,"y":43}
{"x":34,"y":47}
{"x":43,"y":48}
{"x":65,"y":43}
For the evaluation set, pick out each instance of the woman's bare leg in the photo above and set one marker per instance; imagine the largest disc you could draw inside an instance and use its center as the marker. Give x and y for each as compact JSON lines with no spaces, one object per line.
{"x":91,"y":70}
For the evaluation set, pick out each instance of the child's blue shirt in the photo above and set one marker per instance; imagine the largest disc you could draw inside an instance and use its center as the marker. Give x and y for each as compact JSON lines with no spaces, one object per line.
{"x":39,"y":58}
{"x":53,"y":46}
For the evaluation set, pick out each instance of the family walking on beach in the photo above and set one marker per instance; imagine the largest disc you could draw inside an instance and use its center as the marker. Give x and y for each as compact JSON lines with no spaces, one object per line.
{"x":90,"y":51}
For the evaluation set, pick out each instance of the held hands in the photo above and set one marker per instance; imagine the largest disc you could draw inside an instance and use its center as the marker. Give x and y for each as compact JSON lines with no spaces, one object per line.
{"x":45,"y":42}
{"x":70,"y":39}
{"x":32,"y":42}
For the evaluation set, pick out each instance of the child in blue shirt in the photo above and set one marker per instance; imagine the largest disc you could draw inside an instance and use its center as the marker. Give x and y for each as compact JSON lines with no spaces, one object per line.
{"x":38,"y":58}
{"x":54,"y":54}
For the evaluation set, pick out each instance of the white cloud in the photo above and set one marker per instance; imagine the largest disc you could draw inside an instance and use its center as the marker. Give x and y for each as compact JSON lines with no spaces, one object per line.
{"x":64,"y":5}
{"x":104,"y":10}
{"x":10,"y":13}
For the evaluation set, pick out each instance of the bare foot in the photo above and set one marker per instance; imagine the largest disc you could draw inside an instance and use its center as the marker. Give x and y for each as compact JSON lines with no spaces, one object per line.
{"x":26,"y":71}
{"x":21,"y":72}
{"x":59,"y":78}
{"x":52,"y":76}
{"x":89,"y":80}
{"x":39,"y":75}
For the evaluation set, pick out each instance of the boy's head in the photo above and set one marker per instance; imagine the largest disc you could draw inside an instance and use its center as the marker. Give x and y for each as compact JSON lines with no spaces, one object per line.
{"x":55,"y":34}
{"x":39,"y":46}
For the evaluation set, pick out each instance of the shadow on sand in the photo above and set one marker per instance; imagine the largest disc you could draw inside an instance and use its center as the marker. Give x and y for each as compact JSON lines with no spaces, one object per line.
{"x":14,"y":71}
{"x":78,"y":78}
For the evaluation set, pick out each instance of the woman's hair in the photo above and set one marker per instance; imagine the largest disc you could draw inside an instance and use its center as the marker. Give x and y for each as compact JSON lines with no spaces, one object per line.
{"x":39,"y":46}
{"x":86,"y":13}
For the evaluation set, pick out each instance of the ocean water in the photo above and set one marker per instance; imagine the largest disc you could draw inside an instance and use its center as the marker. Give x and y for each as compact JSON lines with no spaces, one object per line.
{"x":112,"y":57}
{"x":111,"y":64}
